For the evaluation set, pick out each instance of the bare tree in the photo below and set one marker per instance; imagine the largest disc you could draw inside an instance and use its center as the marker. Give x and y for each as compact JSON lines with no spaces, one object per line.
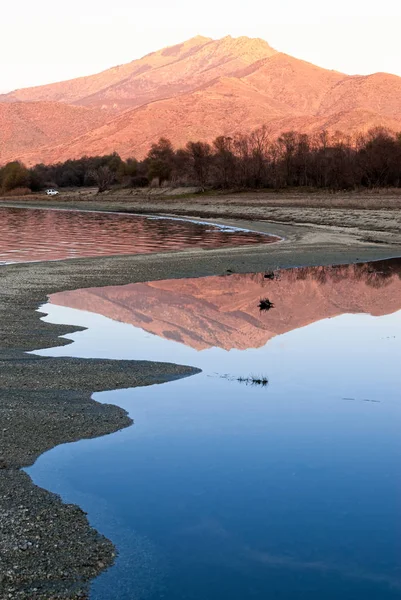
{"x":103,"y":177}
{"x":224,"y":161}
{"x":200,"y":158}
{"x":259,"y":146}
{"x":333,"y":161}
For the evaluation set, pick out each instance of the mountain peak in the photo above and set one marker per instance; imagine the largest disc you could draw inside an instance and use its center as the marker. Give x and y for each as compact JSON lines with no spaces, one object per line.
{"x":199,"y":39}
{"x":198,"y":89}
{"x":249,"y":48}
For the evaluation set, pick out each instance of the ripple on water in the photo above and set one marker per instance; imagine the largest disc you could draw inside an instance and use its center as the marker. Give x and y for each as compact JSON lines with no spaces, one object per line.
{"x":30,"y":235}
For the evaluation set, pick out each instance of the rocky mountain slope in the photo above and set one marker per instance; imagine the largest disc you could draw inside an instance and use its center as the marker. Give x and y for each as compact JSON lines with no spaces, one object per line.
{"x":37,"y":126}
{"x":196,"y":90}
{"x":162,"y":74}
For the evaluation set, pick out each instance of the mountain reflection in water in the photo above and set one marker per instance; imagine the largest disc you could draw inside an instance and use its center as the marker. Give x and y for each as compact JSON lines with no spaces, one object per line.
{"x":224,"y":312}
{"x":227,"y":491}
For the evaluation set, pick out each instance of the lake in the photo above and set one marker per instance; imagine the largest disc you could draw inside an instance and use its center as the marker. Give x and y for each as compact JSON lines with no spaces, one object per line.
{"x":227,"y":489}
{"x":29,"y":235}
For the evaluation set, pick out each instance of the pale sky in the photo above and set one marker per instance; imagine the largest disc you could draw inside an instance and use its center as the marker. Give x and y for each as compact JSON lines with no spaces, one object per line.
{"x":43,"y":41}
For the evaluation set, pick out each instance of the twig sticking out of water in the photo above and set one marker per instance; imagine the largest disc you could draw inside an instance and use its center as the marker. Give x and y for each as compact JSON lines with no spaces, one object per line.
{"x":251,"y":380}
{"x":265,"y":304}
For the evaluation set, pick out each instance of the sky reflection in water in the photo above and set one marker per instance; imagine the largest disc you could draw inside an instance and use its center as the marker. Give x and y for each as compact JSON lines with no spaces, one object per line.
{"x":220,"y":490}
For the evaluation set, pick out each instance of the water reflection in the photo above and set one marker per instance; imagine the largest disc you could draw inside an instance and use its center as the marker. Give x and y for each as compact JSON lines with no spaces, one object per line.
{"x":224,"y":312}
{"x":230,"y":491}
{"x":33,"y":235}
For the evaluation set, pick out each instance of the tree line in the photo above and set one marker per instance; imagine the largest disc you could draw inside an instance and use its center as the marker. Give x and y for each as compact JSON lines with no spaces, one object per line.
{"x":244,"y":161}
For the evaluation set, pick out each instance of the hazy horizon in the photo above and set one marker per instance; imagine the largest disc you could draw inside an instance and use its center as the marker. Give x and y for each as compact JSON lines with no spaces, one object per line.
{"x":88,"y":38}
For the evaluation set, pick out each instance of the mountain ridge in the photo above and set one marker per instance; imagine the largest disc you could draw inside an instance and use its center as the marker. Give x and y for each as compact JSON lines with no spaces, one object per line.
{"x":198,"y":89}
{"x":154,"y":60}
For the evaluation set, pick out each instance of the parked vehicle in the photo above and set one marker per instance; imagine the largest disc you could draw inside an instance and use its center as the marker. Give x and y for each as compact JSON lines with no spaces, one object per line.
{"x":52,"y":192}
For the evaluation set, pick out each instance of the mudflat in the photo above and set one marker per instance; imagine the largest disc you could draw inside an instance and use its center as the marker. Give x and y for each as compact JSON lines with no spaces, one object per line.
{"x":48,"y":550}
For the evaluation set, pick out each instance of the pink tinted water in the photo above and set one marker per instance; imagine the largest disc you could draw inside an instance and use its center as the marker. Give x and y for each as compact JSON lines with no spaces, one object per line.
{"x":28,"y":235}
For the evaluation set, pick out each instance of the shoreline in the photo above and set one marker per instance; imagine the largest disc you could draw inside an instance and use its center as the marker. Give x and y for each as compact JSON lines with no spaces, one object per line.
{"x":50,"y":399}
{"x":371,"y":216}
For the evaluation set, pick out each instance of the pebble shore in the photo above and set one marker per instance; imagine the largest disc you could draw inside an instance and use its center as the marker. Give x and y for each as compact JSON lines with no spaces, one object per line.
{"x":48,"y":551}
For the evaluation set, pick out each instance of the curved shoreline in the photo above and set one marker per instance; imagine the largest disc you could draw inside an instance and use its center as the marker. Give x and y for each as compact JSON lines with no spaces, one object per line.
{"x":64,"y":387}
{"x":144,"y":215}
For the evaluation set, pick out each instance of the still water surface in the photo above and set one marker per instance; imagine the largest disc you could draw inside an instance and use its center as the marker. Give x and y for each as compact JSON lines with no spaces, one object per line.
{"x":29,"y":235}
{"x":226,"y":491}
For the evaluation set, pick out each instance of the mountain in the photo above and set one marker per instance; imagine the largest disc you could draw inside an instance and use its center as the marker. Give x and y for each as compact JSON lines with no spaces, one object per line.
{"x":227,"y":105}
{"x":199,"y":89}
{"x":379,"y":93}
{"x":30,"y":126}
{"x":224,"y":311}
{"x":162,"y":74}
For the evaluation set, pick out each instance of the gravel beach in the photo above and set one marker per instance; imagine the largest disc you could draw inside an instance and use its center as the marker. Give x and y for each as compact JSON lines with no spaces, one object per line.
{"x":47,"y":549}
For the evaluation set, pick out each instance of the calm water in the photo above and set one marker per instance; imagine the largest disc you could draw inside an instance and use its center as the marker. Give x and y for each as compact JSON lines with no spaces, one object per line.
{"x":226,"y":491}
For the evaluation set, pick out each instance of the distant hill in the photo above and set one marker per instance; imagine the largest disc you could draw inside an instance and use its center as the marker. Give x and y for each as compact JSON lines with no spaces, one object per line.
{"x":199,"y":89}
